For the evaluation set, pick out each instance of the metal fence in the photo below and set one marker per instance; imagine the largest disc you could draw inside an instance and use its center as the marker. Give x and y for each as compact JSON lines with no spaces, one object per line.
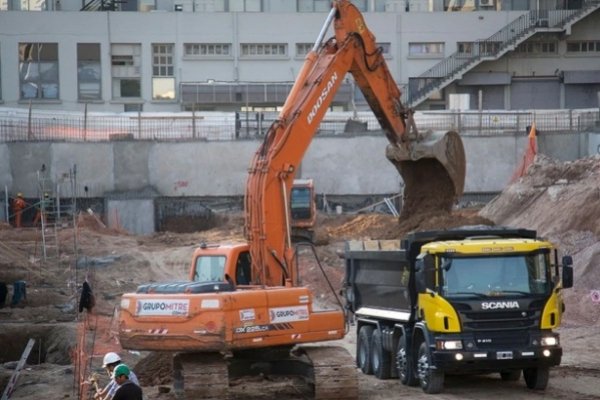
{"x":21,"y":125}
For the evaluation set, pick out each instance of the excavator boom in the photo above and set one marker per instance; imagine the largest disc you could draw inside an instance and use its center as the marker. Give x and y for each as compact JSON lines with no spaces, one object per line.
{"x":432,"y":166}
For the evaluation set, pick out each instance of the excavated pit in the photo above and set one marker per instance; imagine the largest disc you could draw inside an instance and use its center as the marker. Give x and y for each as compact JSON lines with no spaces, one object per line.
{"x":54,"y":344}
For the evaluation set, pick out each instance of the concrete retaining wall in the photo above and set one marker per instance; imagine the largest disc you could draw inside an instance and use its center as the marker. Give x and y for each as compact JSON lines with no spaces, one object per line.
{"x":339,"y":165}
{"x":130,"y":175}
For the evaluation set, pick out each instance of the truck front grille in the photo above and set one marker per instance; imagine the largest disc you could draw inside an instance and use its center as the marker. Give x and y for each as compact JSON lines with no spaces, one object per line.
{"x":499,"y":320}
{"x":499,"y":340}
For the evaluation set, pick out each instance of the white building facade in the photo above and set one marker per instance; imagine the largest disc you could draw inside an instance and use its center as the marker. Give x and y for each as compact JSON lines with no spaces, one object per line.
{"x":230,"y":55}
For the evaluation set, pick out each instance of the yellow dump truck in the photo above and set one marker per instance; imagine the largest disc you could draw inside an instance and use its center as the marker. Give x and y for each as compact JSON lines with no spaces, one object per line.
{"x":474,"y":300}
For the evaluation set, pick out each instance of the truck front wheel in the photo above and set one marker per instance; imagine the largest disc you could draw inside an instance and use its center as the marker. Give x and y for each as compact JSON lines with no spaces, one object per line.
{"x":403,"y":364}
{"x":380,"y":357}
{"x":430,"y":379}
{"x":363,"y":350}
{"x":536,"y":378}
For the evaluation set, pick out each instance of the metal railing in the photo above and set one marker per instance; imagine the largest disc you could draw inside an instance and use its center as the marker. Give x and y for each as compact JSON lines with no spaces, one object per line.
{"x":443,"y":73}
{"x":239,"y":126}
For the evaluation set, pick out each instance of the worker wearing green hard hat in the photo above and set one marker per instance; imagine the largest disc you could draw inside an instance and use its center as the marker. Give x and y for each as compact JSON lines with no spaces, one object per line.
{"x":127,"y":389}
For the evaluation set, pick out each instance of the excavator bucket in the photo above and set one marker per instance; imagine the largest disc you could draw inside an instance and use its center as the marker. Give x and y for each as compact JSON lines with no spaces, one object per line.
{"x":433,"y":170}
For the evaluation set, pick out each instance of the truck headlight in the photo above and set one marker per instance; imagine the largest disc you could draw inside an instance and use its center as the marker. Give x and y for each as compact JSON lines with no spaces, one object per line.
{"x":449,"y":345}
{"x":124,"y":304}
{"x":549,"y":341}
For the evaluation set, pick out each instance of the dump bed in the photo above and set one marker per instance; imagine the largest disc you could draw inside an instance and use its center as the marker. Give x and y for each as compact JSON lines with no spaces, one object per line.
{"x":378,"y":279}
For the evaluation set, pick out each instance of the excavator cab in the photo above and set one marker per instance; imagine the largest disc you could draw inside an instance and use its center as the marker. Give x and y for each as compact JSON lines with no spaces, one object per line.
{"x":303,"y":209}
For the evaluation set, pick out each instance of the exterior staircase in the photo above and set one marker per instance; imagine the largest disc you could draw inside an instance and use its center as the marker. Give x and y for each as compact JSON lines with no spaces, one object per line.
{"x":507,"y":39}
{"x":102,"y":5}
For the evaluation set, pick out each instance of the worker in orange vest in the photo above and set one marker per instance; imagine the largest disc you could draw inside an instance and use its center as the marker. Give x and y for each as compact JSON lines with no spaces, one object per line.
{"x":19,"y":204}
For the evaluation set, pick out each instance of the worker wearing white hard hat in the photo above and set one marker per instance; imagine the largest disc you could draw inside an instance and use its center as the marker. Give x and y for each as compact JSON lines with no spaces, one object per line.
{"x":110,"y":361}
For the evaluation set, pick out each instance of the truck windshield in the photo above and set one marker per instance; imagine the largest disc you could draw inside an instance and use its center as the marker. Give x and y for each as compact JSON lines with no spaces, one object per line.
{"x":507,"y":275}
{"x":210,"y":269}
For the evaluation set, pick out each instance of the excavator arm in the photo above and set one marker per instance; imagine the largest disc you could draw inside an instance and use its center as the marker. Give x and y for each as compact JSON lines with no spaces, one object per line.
{"x":272,"y":170}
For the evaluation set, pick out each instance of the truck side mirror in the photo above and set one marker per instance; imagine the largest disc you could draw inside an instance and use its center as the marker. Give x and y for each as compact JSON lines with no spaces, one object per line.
{"x":567,"y":272}
{"x":424,"y":268}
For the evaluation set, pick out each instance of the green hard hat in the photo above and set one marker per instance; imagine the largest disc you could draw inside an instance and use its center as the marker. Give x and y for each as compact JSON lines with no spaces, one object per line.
{"x":121,"y":369}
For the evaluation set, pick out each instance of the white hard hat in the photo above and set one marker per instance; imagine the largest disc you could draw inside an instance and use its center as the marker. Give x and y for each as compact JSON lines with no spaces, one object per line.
{"x":110,"y":358}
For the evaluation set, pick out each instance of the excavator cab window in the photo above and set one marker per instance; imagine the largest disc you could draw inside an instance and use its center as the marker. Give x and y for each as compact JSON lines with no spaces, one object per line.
{"x":210,"y":269}
{"x":243,"y":269}
{"x":301,"y":199}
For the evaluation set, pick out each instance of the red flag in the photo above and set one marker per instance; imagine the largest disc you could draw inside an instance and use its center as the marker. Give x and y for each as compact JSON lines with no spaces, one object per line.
{"x":528,"y":156}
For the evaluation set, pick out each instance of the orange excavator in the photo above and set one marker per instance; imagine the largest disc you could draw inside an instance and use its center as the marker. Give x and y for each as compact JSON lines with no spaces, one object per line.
{"x":243,"y":311}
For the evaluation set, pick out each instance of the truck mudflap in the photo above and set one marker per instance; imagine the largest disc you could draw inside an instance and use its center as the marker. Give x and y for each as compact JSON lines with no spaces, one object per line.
{"x":495,"y":361}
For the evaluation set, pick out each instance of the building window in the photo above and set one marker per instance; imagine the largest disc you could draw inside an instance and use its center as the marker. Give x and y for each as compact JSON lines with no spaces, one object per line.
{"x":583,"y":46}
{"x":209,"y":5}
{"x":489,"y":48}
{"x":163,"y":79}
{"x":464,"y":48}
{"x":263,"y":49}
{"x":325,"y":5}
{"x":426,"y":49}
{"x":385,"y":48}
{"x":313,"y":5}
{"x":245,"y":5}
{"x":89,"y":71}
{"x":38,"y":70}
{"x":302,"y":49}
{"x":207,"y":49}
{"x":126,"y":71}
{"x":360,"y":4}
{"x":536,"y":48}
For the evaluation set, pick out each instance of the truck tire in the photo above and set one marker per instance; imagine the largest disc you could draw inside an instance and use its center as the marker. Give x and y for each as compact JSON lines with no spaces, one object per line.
{"x":510,"y":375}
{"x":431,"y":380}
{"x":363,"y":349}
{"x":536,"y":378}
{"x":406,"y":369}
{"x":381,"y":359}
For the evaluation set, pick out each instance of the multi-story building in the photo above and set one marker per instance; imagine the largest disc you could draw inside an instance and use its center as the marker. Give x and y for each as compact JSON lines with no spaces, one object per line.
{"x":173,"y":55}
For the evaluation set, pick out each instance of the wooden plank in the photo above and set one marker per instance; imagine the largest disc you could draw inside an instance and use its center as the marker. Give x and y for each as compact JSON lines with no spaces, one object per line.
{"x":12,"y":384}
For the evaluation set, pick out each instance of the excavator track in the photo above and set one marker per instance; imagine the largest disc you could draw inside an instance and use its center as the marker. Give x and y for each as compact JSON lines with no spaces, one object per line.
{"x":334,"y":372}
{"x":328,"y":373}
{"x":200,"y":376}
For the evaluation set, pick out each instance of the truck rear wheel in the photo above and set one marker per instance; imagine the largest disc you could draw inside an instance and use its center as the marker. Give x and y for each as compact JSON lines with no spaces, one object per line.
{"x":536,"y":378}
{"x":406,"y":370}
{"x":380,"y":357}
{"x":430,"y":379}
{"x":363,"y":349}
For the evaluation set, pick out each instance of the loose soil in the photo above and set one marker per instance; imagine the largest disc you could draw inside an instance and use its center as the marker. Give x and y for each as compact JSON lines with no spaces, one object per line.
{"x":560,"y":200}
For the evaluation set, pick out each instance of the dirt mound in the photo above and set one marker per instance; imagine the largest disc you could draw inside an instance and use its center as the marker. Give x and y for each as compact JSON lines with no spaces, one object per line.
{"x":380,"y":226}
{"x":552,"y":197}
